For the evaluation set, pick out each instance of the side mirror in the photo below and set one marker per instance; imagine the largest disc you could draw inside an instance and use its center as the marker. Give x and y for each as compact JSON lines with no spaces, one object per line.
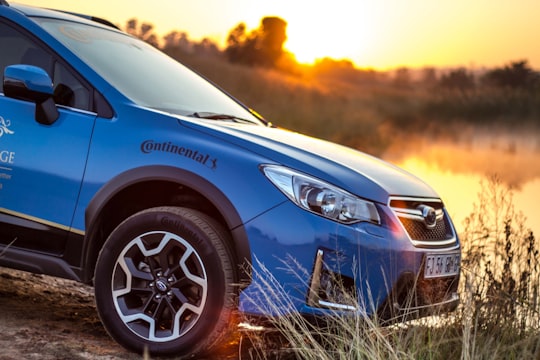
{"x":31,"y":83}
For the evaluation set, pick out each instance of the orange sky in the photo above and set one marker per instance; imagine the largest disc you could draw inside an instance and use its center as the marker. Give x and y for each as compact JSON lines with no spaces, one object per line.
{"x":380,"y":34}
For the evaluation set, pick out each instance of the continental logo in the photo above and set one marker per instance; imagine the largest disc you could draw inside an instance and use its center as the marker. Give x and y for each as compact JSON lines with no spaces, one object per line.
{"x":150,"y":146}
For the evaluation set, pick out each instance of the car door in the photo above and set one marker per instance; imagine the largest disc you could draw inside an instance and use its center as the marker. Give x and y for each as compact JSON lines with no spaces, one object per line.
{"x":41,"y":166}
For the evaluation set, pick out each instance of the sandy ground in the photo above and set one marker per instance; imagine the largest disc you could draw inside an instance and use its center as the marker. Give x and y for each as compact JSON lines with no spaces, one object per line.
{"x":44,"y":318}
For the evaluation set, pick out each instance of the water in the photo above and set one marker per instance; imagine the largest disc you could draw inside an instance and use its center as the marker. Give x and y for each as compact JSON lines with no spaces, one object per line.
{"x":458,"y":170}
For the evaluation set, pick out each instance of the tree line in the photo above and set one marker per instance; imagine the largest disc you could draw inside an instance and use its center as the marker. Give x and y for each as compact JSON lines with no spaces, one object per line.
{"x":263,"y":47}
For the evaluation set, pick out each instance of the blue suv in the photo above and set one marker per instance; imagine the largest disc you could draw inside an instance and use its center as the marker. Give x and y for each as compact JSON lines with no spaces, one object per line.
{"x":122,"y":168}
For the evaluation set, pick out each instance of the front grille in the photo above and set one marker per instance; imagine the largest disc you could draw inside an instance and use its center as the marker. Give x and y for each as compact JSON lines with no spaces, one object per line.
{"x":434,"y":232}
{"x":417,"y":230}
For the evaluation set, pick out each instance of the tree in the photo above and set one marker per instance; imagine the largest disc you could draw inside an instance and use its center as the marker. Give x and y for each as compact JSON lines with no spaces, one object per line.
{"x":458,"y":79}
{"x":516,"y":75}
{"x":261,"y":47}
{"x":273,"y":35}
{"x":429,"y":76}
{"x":144,"y":32}
{"x":239,"y":45}
{"x":178,"y":40}
{"x":206,"y":47}
{"x":402,"y":77}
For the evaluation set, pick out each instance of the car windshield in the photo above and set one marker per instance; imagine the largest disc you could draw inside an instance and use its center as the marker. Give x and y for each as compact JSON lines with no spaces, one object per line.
{"x":142,"y":73}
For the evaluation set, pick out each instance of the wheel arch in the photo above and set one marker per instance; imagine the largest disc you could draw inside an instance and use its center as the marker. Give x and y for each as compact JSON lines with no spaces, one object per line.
{"x":161,"y":185}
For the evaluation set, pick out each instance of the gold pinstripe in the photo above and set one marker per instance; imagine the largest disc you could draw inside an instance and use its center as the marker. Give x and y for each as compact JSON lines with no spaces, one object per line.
{"x":41,"y":221}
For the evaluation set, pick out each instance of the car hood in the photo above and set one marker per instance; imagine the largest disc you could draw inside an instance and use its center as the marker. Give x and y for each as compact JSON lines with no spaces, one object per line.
{"x":357,"y":172}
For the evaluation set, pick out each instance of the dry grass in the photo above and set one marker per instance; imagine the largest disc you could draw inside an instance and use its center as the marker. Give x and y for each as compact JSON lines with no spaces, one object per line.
{"x":498,"y":317}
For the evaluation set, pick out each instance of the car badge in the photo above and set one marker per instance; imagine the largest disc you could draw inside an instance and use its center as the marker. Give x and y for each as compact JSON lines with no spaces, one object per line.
{"x":429,"y":215}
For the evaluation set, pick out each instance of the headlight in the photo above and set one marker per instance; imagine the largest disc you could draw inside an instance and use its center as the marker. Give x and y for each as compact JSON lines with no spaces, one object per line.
{"x":320,"y":197}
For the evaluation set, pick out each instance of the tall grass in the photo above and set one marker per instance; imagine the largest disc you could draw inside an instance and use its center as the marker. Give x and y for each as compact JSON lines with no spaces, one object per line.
{"x":342,"y":336}
{"x":501,"y":274}
{"x":498,"y":317}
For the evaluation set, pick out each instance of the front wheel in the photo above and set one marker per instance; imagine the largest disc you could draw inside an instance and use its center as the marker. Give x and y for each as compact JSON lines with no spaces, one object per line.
{"x":164,"y":281}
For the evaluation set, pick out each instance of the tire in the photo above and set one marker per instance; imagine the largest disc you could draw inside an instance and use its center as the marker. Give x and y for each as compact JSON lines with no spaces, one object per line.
{"x":164,"y":283}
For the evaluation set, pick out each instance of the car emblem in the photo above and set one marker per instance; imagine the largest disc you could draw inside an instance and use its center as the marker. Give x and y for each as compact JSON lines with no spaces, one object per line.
{"x":429,"y":215}
{"x":161,"y":286}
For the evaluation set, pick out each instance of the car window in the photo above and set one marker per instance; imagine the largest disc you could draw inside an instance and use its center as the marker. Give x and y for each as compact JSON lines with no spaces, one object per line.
{"x":17,"y":48}
{"x":68,"y":90}
{"x":142,"y":73}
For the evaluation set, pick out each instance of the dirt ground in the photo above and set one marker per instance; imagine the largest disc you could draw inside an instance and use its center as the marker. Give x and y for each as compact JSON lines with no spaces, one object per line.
{"x":47,"y":318}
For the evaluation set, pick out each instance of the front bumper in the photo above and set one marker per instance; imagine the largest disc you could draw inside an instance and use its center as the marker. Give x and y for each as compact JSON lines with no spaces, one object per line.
{"x":411,"y":297}
{"x":315,"y":266}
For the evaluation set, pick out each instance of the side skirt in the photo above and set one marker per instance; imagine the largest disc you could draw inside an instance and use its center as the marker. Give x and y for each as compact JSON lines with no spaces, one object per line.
{"x":36,"y":263}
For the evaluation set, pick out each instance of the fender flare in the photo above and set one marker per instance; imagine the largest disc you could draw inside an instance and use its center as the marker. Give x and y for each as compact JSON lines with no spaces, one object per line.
{"x":171,"y":174}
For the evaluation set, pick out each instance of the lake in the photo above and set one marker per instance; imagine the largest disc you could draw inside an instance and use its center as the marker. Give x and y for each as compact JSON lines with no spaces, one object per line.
{"x":457,"y":170}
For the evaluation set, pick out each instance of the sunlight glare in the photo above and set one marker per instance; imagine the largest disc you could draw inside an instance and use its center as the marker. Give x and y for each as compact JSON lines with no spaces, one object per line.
{"x":318,"y":30}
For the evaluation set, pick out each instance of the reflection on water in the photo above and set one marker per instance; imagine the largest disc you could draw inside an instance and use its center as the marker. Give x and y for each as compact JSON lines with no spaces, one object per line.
{"x":456,"y":173}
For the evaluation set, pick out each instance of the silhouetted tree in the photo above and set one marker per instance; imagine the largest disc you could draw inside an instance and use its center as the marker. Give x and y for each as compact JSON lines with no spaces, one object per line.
{"x":516,"y":75}
{"x":429,"y":76}
{"x":240,"y":46}
{"x":206,"y":47}
{"x":237,"y":36}
{"x":273,"y":34}
{"x":177,"y":43}
{"x":263,"y":46}
{"x":458,"y":79}
{"x":178,"y":40}
{"x":402,"y":77}
{"x":144,"y":31}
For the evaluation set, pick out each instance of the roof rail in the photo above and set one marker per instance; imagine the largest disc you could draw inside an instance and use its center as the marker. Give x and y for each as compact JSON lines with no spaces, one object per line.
{"x":89,"y":17}
{"x":104,"y":22}
{"x":4,"y":3}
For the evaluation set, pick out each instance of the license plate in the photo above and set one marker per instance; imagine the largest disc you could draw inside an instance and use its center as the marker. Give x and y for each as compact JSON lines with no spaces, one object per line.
{"x":441,"y":265}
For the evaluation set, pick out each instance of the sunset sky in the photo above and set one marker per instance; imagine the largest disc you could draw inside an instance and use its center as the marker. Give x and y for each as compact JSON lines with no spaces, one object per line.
{"x":380,"y":34}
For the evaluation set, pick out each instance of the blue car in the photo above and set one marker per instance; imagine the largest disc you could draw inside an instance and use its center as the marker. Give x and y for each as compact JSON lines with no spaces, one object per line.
{"x":122,"y":168}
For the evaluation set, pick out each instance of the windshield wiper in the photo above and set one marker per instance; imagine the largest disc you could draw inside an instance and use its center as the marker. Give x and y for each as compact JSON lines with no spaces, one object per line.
{"x":216,"y":116}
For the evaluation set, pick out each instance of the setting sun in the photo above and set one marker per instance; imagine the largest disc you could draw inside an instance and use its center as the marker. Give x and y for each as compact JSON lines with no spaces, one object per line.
{"x":313,"y":33}
{"x":309,"y":41}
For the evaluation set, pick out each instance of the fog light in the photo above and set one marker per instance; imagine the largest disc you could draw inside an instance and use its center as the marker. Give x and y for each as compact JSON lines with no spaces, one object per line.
{"x":330,"y":290}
